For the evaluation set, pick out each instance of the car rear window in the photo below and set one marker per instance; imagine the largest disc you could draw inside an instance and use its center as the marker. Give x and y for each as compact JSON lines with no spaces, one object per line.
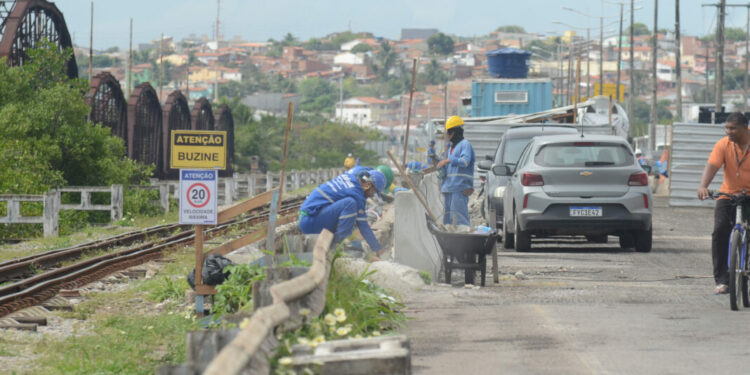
{"x":513,"y":149}
{"x":584,"y":154}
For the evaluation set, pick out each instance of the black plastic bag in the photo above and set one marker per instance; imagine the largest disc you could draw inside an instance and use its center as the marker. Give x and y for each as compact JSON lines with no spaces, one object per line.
{"x":212,"y":272}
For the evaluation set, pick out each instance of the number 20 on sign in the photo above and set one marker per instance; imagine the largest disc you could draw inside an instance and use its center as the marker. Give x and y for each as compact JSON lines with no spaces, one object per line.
{"x":198,"y":193}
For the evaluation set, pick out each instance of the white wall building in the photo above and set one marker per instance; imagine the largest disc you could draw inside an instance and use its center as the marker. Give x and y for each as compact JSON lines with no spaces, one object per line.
{"x":354,"y":111}
{"x":349,"y":58}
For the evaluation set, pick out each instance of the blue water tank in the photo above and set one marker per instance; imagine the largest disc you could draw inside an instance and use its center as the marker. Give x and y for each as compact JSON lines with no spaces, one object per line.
{"x":508,"y":63}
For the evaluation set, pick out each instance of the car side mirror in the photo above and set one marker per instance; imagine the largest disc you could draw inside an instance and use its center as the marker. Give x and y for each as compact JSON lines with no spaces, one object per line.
{"x":501,"y":170}
{"x":484,"y":165}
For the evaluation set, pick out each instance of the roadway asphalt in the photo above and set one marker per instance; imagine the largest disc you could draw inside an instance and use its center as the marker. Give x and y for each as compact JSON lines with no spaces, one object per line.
{"x":588,"y":309}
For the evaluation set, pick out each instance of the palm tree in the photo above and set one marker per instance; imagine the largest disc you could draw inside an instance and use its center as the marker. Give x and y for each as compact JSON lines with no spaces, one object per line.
{"x":387,"y":58}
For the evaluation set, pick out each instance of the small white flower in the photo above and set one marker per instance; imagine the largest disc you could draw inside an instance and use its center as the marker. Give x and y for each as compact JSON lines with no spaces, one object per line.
{"x":342,"y":331}
{"x":303,"y":341}
{"x":320,"y":339}
{"x":304,"y":311}
{"x":376,"y":333}
{"x":330,"y":319}
{"x":285,"y":361}
{"x":341,"y":318}
{"x":339,"y":312}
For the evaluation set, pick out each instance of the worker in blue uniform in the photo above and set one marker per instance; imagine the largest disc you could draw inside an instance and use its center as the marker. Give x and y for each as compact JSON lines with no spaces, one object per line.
{"x":337,"y":204}
{"x":458,"y":166}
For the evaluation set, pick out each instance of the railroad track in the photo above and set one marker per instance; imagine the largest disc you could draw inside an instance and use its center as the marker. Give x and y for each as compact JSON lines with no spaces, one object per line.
{"x":38,"y":288}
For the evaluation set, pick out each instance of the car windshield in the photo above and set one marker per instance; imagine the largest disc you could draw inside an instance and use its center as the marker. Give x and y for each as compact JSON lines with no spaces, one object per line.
{"x":512,"y":151}
{"x":584,"y":154}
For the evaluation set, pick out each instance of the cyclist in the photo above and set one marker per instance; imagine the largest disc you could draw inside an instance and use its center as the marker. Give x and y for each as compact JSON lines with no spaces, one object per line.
{"x":732,"y":153}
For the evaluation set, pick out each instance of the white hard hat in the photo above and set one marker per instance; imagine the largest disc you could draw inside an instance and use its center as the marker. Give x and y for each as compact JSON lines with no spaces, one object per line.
{"x":638,"y":151}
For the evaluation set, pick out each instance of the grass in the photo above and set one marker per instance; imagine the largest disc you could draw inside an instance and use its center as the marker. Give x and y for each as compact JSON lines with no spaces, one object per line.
{"x":89,"y":233}
{"x":129,"y":335}
{"x":121,"y":344}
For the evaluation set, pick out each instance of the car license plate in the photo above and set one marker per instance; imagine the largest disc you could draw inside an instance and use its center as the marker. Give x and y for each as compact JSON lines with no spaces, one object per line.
{"x":586,"y":211}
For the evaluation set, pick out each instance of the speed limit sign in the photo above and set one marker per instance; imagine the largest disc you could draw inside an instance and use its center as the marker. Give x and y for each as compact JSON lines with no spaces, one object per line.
{"x":198,"y":196}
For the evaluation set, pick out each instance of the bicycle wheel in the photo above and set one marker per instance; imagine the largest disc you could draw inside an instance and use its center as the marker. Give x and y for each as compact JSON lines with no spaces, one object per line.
{"x":735,"y":275}
{"x":743,"y":276}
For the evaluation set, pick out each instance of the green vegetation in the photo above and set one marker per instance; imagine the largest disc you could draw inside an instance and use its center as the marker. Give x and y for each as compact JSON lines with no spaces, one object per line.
{"x":511,"y":29}
{"x":638,"y":29}
{"x":47,"y":141}
{"x":361,"y":48}
{"x":314,"y":142}
{"x":426,"y":277}
{"x":355,"y":308}
{"x":642,"y":115}
{"x":440,"y":44}
{"x":236,"y":292}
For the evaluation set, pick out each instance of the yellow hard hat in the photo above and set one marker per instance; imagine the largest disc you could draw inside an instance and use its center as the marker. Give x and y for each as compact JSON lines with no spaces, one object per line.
{"x":453,"y":121}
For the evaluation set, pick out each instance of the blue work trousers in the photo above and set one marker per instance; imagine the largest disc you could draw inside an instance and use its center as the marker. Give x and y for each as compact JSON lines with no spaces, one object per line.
{"x":456,"y":204}
{"x":338,"y":218}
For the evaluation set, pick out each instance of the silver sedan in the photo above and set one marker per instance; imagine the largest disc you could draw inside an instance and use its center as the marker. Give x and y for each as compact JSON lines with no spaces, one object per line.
{"x":574,"y":185}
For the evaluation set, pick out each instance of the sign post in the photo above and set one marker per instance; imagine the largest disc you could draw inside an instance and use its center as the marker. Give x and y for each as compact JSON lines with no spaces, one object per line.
{"x":199,"y":154}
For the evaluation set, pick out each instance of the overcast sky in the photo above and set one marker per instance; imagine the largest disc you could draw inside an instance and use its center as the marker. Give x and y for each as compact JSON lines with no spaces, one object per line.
{"x":259,"y":20}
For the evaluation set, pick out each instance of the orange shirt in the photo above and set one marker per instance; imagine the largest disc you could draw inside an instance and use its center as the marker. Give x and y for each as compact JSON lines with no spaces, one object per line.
{"x":736,"y":170}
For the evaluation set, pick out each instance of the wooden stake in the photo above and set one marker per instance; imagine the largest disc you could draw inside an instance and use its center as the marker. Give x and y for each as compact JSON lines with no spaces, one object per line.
{"x":414,"y":189}
{"x":290,"y":113}
{"x":408,"y":114}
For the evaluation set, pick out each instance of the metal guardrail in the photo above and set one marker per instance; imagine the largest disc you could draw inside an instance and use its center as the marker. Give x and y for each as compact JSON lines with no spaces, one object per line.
{"x":691,"y":146}
{"x":249,"y":350}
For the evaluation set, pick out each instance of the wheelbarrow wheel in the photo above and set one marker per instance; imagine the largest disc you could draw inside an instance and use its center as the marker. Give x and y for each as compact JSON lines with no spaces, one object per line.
{"x":469,"y":273}
{"x":447,"y":268}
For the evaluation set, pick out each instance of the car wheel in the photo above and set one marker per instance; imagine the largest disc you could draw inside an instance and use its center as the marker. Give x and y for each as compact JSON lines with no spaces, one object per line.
{"x":603,"y":238}
{"x":627,"y":240}
{"x":523,"y":238}
{"x":643,"y":241}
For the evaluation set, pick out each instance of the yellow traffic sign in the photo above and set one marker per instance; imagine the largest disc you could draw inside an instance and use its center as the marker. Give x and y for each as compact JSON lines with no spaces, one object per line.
{"x":204,"y":149}
{"x":610,"y":89}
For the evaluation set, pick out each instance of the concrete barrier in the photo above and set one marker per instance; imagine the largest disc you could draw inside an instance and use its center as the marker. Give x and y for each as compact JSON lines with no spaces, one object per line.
{"x":377,"y":355}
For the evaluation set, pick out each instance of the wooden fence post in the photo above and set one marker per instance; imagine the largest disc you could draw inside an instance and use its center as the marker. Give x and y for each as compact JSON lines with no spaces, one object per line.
{"x":269,"y":181}
{"x":251,"y":185}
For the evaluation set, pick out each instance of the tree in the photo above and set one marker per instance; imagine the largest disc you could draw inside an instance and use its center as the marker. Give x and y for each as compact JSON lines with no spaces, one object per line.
{"x":734,"y":34}
{"x":511,"y":29}
{"x":318,"y":95}
{"x":386,"y":58}
{"x":361,"y":48}
{"x":434,"y":74}
{"x":43,"y":125}
{"x":440,"y":44}
{"x":638,"y":29}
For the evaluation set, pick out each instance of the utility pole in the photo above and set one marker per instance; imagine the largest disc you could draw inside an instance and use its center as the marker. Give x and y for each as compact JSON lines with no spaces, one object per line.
{"x":655,"y":48}
{"x":631,"y":97}
{"x":601,"y":55}
{"x":569,"y":98}
{"x":91,"y":45}
{"x":588,"y":62}
{"x":705,"y":97}
{"x":678,"y":60}
{"x":161,"y":64}
{"x":559,"y":74}
{"x":619,"y":56}
{"x":720,"y":57}
{"x":719,"y":76}
{"x":747,"y":47}
{"x":130,"y":61}
{"x":216,"y":67}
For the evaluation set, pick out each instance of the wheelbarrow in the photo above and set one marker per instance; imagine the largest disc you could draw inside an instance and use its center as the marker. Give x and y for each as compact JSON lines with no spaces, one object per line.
{"x":467,"y":251}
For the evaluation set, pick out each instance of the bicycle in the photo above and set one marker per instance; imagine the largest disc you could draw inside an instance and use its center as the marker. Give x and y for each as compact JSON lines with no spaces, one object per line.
{"x":737,"y":259}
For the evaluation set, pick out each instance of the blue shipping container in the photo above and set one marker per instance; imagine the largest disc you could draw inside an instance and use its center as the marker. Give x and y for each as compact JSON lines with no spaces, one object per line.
{"x":502,"y":97}
{"x":508,"y":63}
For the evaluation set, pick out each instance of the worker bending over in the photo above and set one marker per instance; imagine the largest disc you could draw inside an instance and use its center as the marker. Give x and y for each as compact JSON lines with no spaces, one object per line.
{"x":337,"y":204}
{"x":458,"y":183}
